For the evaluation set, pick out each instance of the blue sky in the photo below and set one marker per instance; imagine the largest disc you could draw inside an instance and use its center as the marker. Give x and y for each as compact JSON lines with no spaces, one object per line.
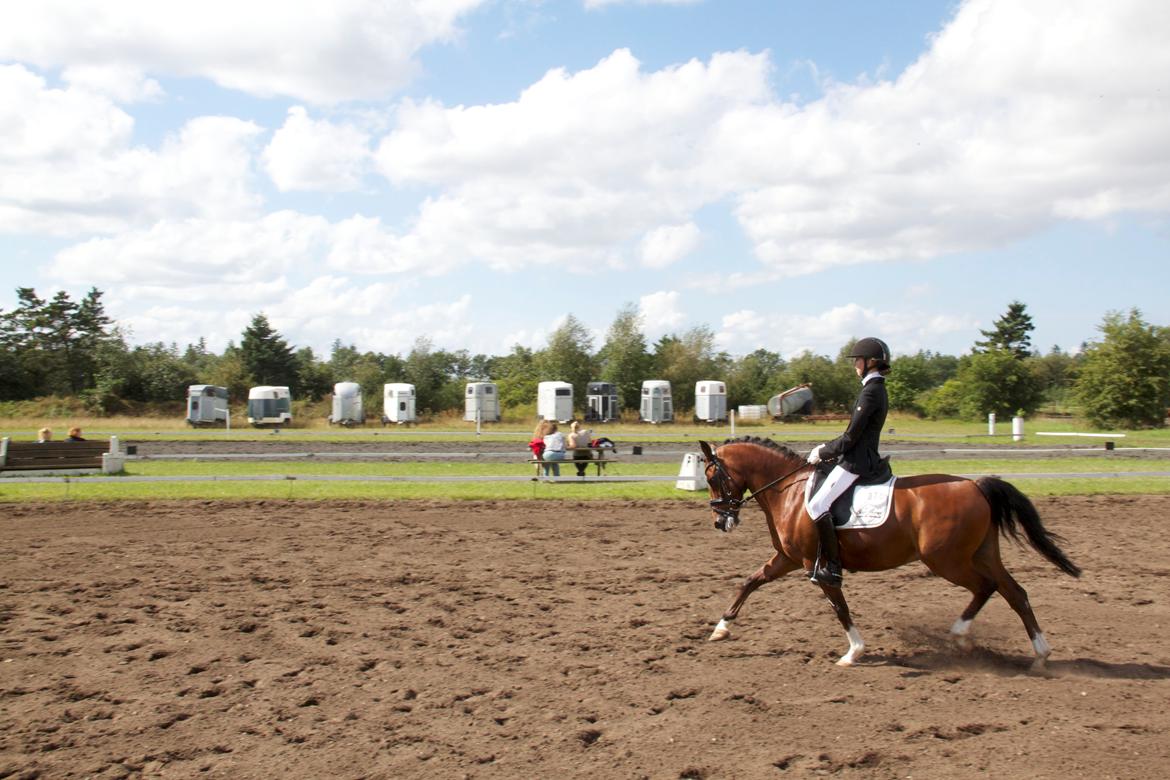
{"x":471,"y":171}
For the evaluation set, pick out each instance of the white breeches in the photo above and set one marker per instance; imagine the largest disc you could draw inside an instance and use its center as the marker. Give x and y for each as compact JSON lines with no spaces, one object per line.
{"x":830,"y":490}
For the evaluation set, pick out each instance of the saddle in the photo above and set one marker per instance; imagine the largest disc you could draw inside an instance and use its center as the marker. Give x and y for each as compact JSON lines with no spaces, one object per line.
{"x":841,"y":507}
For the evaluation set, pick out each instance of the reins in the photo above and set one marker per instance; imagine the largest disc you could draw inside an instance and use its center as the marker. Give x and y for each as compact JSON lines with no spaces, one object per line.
{"x":727,"y":507}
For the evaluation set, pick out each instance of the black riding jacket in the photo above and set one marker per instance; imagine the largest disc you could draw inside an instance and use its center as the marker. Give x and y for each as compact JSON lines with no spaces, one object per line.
{"x":856,"y":449}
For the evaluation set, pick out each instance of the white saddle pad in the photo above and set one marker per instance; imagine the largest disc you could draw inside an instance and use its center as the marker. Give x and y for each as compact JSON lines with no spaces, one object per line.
{"x":871,"y":504}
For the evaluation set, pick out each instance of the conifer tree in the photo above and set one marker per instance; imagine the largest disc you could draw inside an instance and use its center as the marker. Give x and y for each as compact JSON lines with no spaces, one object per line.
{"x":1012,"y":332}
{"x":266,"y":356}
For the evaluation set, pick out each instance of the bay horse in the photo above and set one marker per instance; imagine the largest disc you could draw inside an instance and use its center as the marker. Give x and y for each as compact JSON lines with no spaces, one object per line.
{"x":952,"y":524}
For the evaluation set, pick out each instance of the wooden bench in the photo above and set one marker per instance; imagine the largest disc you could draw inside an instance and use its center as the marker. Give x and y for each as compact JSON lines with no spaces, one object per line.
{"x":21,"y":458}
{"x":599,"y":458}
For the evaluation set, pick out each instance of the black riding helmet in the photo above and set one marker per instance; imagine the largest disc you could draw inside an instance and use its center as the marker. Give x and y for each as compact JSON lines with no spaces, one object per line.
{"x":871,"y":349}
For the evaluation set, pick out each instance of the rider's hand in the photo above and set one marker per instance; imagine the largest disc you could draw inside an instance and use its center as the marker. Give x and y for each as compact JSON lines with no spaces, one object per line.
{"x":814,"y":457}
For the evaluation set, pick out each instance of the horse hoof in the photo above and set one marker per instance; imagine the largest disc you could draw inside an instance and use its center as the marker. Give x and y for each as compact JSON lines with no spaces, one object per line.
{"x":845,"y":661}
{"x":963,"y":643}
{"x":719,"y":634}
{"x":1039,"y":666}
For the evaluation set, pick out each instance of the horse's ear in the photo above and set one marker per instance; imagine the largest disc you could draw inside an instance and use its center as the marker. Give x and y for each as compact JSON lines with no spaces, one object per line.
{"x":706,"y":448}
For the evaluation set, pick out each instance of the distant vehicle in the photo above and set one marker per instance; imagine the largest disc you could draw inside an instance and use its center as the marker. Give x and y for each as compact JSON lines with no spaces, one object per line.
{"x":398,"y":403}
{"x":657,"y":403}
{"x":269,"y":405}
{"x":554,"y":401}
{"x":601,"y":402}
{"x":347,"y":404}
{"x":793,"y":402}
{"x":207,"y":405}
{"x":710,"y":401}
{"x":482,"y":402}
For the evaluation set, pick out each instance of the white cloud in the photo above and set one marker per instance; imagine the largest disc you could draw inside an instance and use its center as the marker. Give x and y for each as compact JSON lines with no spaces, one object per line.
{"x":68,"y":164}
{"x":579,"y":167}
{"x":660,"y":312}
{"x":1019,"y":115}
{"x":363,"y":245}
{"x":42,"y":124}
{"x":1005,"y":126}
{"x":666,"y":245}
{"x":320,"y":53}
{"x":179,"y":280}
{"x":906,"y":331}
{"x":308,"y":154}
{"x":120,"y":83}
{"x":196,"y":257}
{"x":446,"y":324}
{"x":374,"y":317}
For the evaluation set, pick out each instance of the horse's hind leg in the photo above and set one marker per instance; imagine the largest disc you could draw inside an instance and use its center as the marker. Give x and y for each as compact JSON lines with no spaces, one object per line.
{"x":975,"y":579}
{"x":975,"y":573}
{"x":982,"y":589}
{"x":1017,"y":597}
{"x":989,"y":566}
{"x":778,"y":565}
{"x":856,"y":645}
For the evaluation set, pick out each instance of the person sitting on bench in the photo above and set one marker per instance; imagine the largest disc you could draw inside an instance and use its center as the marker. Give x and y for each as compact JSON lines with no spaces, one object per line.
{"x":579,"y":443}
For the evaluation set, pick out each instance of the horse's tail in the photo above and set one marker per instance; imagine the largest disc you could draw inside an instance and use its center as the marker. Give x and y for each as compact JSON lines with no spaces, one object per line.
{"x":1010,"y":509}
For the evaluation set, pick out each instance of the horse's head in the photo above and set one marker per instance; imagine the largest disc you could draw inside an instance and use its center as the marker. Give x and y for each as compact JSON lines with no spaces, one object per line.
{"x":724,"y":487}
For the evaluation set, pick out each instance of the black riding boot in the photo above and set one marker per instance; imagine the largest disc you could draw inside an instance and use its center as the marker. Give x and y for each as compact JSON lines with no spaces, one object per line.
{"x":827,"y":570}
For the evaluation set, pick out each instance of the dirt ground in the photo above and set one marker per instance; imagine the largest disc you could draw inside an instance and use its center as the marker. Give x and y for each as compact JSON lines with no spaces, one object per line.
{"x":525,"y":640}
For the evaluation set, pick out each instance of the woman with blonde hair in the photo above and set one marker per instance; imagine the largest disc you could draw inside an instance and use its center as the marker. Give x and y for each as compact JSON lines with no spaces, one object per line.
{"x":579,"y":439}
{"x":44,"y":435}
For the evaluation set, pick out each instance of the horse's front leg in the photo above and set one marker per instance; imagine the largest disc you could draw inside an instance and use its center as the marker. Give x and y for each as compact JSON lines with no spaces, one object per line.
{"x":856,"y":645}
{"x":777,"y":566}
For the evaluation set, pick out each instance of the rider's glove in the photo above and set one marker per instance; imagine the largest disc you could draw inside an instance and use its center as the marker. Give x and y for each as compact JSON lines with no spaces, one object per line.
{"x":814,"y":457}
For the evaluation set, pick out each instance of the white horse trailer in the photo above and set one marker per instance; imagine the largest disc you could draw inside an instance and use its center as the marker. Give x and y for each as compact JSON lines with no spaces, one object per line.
{"x":482,"y":402}
{"x":269,"y":405}
{"x":710,"y":401}
{"x":554,"y":401}
{"x":657,"y":404}
{"x":206,"y":405}
{"x":398,"y":403}
{"x":601,"y":402}
{"x":347,"y":404}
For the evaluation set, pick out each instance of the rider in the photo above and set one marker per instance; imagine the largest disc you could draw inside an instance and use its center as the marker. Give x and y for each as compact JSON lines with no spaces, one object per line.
{"x":856,"y":450}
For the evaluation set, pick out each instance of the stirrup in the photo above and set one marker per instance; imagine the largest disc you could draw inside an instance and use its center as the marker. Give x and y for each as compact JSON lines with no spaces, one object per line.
{"x":828,"y":574}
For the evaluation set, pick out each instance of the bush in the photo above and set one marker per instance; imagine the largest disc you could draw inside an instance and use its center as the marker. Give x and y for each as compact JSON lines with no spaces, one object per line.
{"x":1125,"y":379}
{"x":942,"y":401}
{"x":998,"y":381}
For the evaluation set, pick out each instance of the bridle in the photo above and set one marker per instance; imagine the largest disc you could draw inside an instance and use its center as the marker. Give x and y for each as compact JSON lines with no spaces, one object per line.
{"x":727,"y":506}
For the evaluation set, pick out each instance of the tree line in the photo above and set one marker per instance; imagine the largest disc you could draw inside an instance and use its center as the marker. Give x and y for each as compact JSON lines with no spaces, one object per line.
{"x":63,"y":347}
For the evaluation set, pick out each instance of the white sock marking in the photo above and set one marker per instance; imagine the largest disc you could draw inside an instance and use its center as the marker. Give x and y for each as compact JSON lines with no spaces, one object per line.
{"x":961,"y":627}
{"x":1041,"y":646}
{"x":856,"y":646}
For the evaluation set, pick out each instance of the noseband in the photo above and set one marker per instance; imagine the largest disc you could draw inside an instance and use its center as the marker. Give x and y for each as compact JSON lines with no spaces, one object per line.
{"x":727,"y":506}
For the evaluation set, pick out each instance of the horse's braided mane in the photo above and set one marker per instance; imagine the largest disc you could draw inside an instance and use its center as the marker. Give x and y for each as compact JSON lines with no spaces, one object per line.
{"x":766,"y":443}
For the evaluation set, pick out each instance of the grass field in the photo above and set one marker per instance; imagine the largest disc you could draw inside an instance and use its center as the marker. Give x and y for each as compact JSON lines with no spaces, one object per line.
{"x":361,"y":480}
{"x":1015,"y":465}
